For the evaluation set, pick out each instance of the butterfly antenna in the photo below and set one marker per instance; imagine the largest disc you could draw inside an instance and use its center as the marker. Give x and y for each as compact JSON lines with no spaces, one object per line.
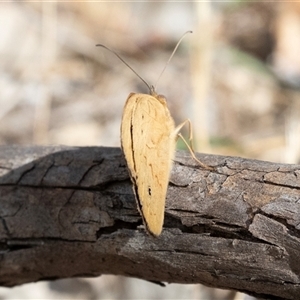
{"x":171,"y":56}
{"x":120,"y":58}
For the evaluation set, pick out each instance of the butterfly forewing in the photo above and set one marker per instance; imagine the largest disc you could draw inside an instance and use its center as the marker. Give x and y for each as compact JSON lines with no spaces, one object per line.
{"x":149,"y":146}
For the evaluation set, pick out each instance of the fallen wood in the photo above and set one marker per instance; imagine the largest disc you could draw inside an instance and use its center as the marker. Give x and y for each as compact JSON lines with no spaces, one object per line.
{"x":70,"y":211}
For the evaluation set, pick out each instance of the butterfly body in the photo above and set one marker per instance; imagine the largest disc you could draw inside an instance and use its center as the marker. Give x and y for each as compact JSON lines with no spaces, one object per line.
{"x":148,"y":139}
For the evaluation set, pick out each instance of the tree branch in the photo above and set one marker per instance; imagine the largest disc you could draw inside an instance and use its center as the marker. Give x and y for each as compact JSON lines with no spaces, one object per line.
{"x":70,"y":211}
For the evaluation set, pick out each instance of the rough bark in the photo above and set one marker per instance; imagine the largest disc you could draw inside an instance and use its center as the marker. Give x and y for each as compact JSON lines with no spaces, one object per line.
{"x":70,"y":211}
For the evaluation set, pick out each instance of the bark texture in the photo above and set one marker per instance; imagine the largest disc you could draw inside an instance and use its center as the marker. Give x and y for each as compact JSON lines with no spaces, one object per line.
{"x":70,"y":211}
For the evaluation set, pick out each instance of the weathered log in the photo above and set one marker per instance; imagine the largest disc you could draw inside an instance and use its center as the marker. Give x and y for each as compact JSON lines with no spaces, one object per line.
{"x":70,"y":211}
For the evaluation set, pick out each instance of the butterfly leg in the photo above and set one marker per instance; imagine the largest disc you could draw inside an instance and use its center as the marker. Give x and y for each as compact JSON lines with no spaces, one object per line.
{"x":190,"y":144}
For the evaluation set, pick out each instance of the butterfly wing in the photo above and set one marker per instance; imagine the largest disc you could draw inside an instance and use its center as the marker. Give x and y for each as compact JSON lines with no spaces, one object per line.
{"x":149,"y":146}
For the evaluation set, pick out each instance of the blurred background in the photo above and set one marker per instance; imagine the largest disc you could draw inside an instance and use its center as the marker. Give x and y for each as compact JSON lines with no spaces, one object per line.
{"x":237,"y":77}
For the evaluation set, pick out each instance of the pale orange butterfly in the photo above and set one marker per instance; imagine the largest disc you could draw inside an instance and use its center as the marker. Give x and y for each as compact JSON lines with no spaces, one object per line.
{"x":148,"y":139}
